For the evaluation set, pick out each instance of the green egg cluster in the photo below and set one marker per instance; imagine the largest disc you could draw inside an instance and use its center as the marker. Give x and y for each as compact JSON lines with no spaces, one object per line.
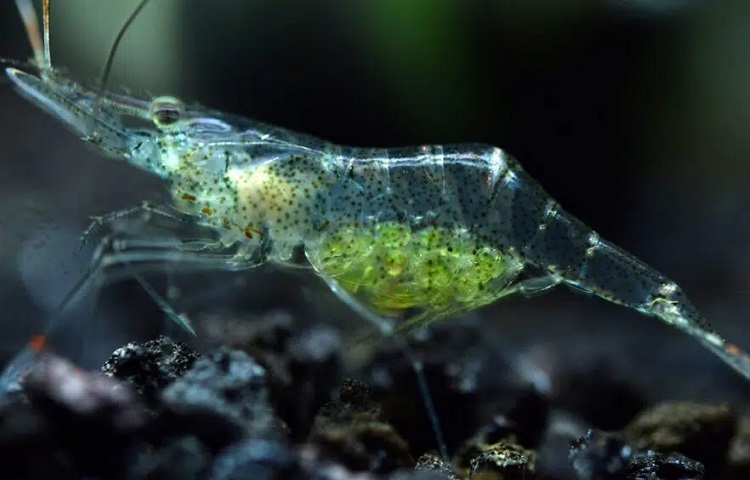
{"x":395,"y":268}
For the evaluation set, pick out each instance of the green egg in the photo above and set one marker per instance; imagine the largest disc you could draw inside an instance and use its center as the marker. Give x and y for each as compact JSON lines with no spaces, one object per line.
{"x":393,"y":268}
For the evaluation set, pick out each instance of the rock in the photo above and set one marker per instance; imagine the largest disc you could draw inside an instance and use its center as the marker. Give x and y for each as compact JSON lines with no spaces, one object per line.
{"x":739,"y":450}
{"x":352,"y":430}
{"x":257,"y":460}
{"x":150,"y":366}
{"x":181,"y":458}
{"x":600,"y":456}
{"x":95,"y":419}
{"x":222,"y":399}
{"x":432,"y":463}
{"x":504,"y":461}
{"x":467,"y":370}
{"x":657,"y":466}
{"x":701,"y":432}
{"x":303,"y":362}
{"x":27,"y":443}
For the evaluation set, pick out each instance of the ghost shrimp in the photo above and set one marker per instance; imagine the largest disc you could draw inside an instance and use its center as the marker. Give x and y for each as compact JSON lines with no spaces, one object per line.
{"x":414,"y":234}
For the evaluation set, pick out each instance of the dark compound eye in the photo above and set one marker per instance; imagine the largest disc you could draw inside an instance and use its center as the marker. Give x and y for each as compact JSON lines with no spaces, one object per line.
{"x":166,"y":111}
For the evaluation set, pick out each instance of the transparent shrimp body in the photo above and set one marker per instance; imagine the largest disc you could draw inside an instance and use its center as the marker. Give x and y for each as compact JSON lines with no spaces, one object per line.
{"x":415,"y":234}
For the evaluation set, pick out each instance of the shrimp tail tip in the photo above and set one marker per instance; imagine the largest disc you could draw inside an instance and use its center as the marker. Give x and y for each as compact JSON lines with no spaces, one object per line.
{"x":13,"y":373}
{"x":37,"y":342}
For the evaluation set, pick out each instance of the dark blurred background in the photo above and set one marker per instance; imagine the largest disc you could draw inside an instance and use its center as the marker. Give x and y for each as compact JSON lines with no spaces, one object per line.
{"x":631,"y":113}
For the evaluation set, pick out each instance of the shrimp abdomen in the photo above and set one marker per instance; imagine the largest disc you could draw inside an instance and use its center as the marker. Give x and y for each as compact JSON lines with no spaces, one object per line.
{"x":549,"y":237}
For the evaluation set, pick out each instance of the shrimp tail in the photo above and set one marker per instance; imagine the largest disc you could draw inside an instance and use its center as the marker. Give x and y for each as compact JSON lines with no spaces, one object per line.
{"x":573,"y":254}
{"x":675,"y":309}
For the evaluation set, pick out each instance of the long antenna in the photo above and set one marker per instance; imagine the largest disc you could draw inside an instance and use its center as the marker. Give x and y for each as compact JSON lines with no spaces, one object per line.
{"x":45,"y":17}
{"x":111,"y":56}
{"x":31,"y":23}
{"x":116,"y":44}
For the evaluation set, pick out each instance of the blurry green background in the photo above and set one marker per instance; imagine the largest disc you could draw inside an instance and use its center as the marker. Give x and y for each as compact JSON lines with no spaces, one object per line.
{"x":633,"y":114}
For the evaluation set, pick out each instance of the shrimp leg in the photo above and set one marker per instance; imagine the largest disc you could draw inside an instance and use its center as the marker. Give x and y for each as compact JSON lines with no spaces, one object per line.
{"x":143,"y":209}
{"x":527,"y":287}
{"x":120,"y":254}
{"x":385,"y":327}
{"x":530,"y":287}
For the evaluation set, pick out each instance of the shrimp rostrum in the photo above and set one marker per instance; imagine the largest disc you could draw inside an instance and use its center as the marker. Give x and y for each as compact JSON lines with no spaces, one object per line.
{"x":416,"y":234}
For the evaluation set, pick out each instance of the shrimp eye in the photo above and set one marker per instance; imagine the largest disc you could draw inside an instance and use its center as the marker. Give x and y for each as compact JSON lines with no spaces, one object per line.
{"x":165,"y":111}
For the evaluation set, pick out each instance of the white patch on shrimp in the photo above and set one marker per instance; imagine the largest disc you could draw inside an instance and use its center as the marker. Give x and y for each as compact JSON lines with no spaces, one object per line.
{"x":171,"y":161}
{"x":593,"y":244}
{"x":498,"y":165}
{"x":550,"y":210}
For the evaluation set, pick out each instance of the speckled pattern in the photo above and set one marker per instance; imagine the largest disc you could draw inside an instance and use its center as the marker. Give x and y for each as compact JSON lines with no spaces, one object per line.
{"x":294,"y":190}
{"x":266,"y":189}
{"x":436,"y":270}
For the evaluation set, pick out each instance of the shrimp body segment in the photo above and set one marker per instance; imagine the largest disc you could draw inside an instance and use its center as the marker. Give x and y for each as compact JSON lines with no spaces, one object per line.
{"x":418,"y":233}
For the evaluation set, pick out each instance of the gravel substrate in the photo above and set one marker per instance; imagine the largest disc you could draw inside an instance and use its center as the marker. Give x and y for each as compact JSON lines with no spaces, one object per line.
{"x":289,"y":403}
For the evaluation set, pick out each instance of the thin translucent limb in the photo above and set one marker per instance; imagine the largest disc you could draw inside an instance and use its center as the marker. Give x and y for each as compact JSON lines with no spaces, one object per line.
{"x":125,"y":255}
{"x":180,"y":319}
{"x":683,"y":315}
{"x":135,"y":241}
{"x":532,"y":286}
{"x":385,"y":327}
{"x":144,"y":213}
{"x":527,"y":287}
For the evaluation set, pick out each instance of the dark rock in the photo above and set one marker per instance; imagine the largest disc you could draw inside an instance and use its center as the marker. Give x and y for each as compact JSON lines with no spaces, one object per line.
{"x":739,"y":451}
{"x":504,"y":461}
{"x":420,"y":475}
{"x":553,"y":460}
{"x":28,"y":447}
{"x":352,"y":430}
{"x":95,"y":419}
{"x":303,"y":363}
{"x":150,"y":366}
{"x":657,"y":466}
{"x":467,"y":370}
{"x":432,"y":463}
{"x":500,"y":429}
{"x":315,"y":368}
{"x":600,"y":456}
{"x":182,"y":458}
{"x":257,"y":460}
{"x":701,"y":432}
{"x":222,"y":399}
{"x":269,"y":460}
{"x":318,"y":466}
{"x":417,"y":475}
